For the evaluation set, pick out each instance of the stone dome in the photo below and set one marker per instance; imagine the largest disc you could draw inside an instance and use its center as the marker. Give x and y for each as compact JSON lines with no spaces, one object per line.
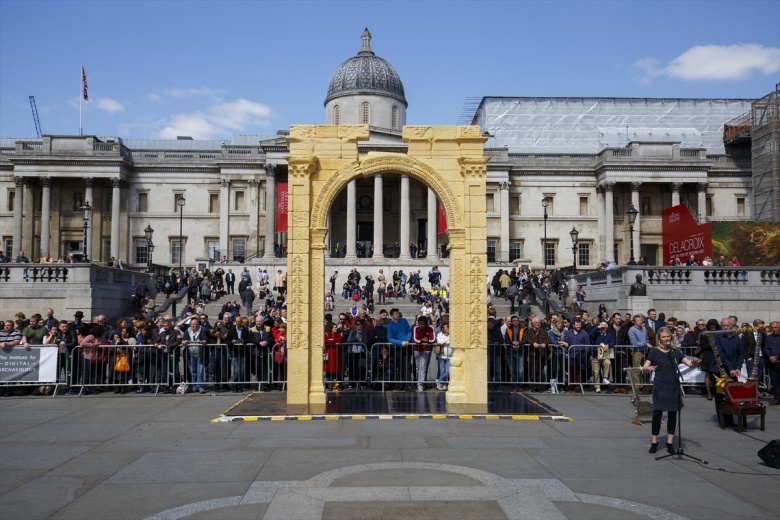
{"x":366,"y":73}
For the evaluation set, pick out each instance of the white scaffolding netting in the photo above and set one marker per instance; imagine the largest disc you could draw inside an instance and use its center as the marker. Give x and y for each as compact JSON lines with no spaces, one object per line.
{"x":588,"y":125}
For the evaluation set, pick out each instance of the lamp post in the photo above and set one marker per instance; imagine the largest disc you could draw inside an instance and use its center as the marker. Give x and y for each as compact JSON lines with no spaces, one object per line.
{"x":86,"y":214}
{"x":149,"y":247}
{"x":632,"y":213}
{"x":574,"y":234}
{"x":545,"y":202}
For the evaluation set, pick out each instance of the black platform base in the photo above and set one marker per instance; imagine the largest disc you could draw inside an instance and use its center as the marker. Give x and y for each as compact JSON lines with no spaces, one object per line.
{"x":389,"y":405}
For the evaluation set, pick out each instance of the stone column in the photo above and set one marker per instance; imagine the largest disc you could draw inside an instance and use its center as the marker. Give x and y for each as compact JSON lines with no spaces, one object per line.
{"x":270,"y":210}
{"x":254,"y":203}
{"x":46,"y":217}
{"x":18,"y":215}
{"x":88,"y":197}
{"x":635,"y":201}
{"x":602,"y":212}
{"x":503,"y":243}
{"x":609,"y":221}
{"x":676,"y":186}
{"x":224,"y":216}
{"x":379,"y":223}
{"x":432,"y":246}
{"x":351,"y":240}
{"x":702,"y":202}
{"x":116,"y":199}
{"x":405,"y":216}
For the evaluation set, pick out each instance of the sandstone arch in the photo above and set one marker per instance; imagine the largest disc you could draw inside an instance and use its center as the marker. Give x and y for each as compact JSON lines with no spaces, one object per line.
{"x":323,"y":159}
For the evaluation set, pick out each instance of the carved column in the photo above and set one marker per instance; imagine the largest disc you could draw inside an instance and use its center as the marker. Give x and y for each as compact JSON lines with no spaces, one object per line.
{"x":270,"y":210}
{"x":702,"y":201}
{"x":602,"y":218}
{"x":379,"y":222}
{"x":405,"y":216}
{"x":88,"y":197}
{"x":432,"y":246}
{"x":224,"y":216}
{"x":635,"y":201}
{"x":351,"y":240}
{"x":116,"y":201}
{"x":18,"y":213}
{"x":503,"y":243}
{"x":609,"y":222}
{"x":46,"y":217}
{"x":675,"y":187}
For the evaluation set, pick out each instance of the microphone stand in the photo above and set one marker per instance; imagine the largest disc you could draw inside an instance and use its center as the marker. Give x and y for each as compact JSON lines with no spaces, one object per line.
{"x":679,"y":454}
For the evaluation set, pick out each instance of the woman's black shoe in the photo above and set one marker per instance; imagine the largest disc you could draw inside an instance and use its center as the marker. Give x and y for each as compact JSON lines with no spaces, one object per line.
{"x":670,"y":448}
{"x":653,"y":448}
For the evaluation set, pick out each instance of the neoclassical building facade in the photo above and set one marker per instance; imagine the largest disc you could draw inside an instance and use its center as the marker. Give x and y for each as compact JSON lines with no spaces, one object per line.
{"x":590,"y":158}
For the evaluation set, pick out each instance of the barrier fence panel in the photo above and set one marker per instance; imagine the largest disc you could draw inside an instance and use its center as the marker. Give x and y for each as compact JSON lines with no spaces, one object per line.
{"x":398,"y":368}
{"x":345,"y":366}
{"x":97,"y":368}
{"x":40,"y":369}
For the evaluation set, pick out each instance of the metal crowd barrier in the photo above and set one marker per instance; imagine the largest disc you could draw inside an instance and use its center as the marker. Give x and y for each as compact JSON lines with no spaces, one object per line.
{"x":345,"y":366}
{"x":396,"y":369}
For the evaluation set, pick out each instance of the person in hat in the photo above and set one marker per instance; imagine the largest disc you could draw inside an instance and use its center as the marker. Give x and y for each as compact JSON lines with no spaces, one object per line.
{"x":600,"y":355}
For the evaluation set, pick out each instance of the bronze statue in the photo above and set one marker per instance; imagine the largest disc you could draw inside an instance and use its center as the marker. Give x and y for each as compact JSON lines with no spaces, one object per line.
{"x":638,"y":288}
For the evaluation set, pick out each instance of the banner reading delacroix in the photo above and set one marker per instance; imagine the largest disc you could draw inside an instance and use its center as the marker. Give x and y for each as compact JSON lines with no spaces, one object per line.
{"x":37,"y":365}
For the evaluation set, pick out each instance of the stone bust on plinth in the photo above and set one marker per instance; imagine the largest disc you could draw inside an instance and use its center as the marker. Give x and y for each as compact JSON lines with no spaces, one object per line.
{"x":638,"y":288}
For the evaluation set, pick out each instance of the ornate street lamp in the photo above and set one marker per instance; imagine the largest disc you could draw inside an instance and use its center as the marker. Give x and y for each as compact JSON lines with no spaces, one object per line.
{"x":86,"y":214}
{"x":574,"y":234}
{"x":149,"y":247}
{"x":632,"y":213}
{"x":545,"y":202}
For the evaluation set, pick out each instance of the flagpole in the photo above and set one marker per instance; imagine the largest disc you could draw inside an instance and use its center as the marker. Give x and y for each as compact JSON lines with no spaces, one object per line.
{"x":81,"y":94}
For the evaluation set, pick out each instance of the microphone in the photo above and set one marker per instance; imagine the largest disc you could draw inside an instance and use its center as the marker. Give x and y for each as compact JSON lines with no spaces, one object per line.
{"x":668,"y":345}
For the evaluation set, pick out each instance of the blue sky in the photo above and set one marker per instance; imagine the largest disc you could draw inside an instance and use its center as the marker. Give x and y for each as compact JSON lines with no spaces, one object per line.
{"x":215,"y":69}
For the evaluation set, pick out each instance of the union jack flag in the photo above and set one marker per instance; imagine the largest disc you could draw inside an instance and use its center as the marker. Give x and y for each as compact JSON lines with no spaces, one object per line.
{"x":84,"y":82}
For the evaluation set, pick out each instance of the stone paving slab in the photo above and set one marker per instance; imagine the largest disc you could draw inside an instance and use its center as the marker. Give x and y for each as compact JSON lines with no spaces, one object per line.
{"x":161,"y":458}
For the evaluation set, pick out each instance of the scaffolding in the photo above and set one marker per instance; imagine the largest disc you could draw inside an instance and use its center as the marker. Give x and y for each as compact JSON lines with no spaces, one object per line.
{"x":765,"y":136}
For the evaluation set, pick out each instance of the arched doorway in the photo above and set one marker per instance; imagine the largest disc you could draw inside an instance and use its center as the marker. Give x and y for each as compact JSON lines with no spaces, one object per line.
{"x":323,"y":160}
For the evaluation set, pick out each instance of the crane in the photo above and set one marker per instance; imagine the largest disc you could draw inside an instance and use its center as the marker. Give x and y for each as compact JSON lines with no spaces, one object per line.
{"x":38,"y":129}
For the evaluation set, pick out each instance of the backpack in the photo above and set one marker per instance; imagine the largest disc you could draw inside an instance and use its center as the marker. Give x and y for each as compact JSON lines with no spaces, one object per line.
{"x":356,"y":296}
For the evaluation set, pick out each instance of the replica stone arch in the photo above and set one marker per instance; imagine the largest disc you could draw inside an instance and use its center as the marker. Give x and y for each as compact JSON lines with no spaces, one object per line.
{"x":323,"y":160}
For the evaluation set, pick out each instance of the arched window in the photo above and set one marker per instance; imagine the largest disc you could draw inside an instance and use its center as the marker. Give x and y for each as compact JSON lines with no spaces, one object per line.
{"x":336,"y":115}
{"x":365,"y":113}
{"x":395,"y":117}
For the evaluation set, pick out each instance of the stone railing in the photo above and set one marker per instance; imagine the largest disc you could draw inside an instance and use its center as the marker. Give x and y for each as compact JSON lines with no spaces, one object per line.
{"x":66,"y":288}
{"x":688,"y":292}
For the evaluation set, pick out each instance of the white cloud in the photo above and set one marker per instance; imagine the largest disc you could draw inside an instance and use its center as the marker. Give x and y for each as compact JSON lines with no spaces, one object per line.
{"x":154,"y":97}
{"x":217,"y":120}
{"x":109,"y":105}
{"x":193,"y":92}
{"x":715,"y":63}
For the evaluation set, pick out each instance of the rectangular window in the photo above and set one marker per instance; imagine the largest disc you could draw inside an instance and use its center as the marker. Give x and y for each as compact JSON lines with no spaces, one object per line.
{"x":143,"y":202}
{"x":583,"y":256}
{"x":490,"y":203}
{"x":239,"y":203}
{"x":491,"y":250}
{"x":615,"y":253}
{"x":213,"y":248}
{"x":646,"y":208}
{"x":108,"y":202}
{"x":11,"y":199}
{"x":176,"y":198}
{"x":740,"y":206}
{"x":239,"y":249}
{"x":106,"y":248}
{"x":8,"y":247}
{"x":515,"y":251}
{"x":141,"y":251}
{"x":583,"y":206}
{"x":549,"y":254}
{"x":709,"y":206}
{"x":514,"y":205}
{"x":213,"y":202}
{"x":78,"y":201}
{"x":177,"y":251}
{"x":550,"y":204}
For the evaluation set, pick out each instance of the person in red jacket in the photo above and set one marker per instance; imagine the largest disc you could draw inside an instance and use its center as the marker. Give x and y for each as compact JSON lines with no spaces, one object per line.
{"x":332,"y":365}
{"x":423,"y":337}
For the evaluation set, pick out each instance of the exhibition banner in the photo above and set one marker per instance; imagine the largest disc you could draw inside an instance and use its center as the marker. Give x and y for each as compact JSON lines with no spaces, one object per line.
{"x":37,"y":365}
{"x":281,"y":207}
{"x":683,"y":236}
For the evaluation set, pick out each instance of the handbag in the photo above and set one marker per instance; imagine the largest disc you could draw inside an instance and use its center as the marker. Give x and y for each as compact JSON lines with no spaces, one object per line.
{"x":437,"y":350}
{"x":279,"y":354}
{"x":122,"y":363}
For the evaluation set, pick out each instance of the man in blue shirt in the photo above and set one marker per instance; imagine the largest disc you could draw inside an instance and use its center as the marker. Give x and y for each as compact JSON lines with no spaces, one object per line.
{"x":639,"y":339}
{"x":399,"y":334}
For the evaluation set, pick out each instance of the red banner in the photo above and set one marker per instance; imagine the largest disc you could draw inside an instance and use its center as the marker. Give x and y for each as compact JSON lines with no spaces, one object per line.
{"x":281,"y":207}
{"x":442,"y":220}
{"x":684,"y":237}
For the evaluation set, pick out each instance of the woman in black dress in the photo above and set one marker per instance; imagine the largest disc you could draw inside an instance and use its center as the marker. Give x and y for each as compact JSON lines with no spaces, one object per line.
{"x":663,"y":360}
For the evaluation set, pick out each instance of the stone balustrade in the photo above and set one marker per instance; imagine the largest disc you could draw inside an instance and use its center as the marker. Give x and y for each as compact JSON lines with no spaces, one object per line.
{"x":67,"y":288}
{"x":688,"y":293}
